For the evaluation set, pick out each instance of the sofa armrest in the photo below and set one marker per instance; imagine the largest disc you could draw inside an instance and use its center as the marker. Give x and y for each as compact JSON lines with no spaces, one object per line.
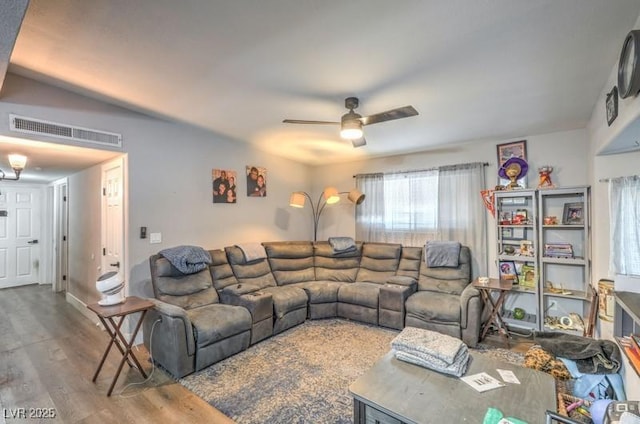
{"x":259,"y":304}
{"x":168,"y":335}
{"x":471,"y":306}
{"x":403,"y":280}
{"x":239,"y":289}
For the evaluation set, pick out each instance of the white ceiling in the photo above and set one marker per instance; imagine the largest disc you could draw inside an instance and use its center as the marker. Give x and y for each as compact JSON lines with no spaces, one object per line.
{"x":474,"y":69}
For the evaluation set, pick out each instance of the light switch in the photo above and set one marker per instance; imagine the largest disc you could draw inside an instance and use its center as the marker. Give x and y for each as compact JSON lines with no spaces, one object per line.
{"x":155,"y":238}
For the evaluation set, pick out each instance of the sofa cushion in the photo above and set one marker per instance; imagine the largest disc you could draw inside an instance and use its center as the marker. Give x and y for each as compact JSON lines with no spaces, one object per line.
{"x":256,"y":272}
{"x":379,"y":262}
{"x":434,"y":306}
{"x":220,"y":270}
{"x":291,"y":261}
{"x":446,"y":280}
{"x":363,"y":294}
{"x":410,"y":262}
{"x":286,"y":299}
{"x":213,"y":323}
{"x":321,"y":291}
{"x":183,"y":290}
{"x":342,"y":267}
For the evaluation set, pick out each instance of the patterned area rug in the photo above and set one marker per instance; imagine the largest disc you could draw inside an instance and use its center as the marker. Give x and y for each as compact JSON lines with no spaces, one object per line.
{"x":302,"y":375}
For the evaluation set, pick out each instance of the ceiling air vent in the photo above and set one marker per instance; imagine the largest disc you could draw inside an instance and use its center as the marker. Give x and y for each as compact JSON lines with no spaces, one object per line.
{"x":26,"y":125}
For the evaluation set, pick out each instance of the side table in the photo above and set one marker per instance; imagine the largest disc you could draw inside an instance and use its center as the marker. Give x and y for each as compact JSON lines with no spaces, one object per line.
{"x":112,"y":318}
{"x":503,"y":287}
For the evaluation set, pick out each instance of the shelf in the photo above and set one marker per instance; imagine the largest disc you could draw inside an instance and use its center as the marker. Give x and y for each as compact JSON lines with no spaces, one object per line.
{"x":528,"y":318}
{"x":564,"y":261}
{"x":520,"y":289}
{"x":575,"y":294}
{"x":515,"y":225}
{"x":518,"y":258}
{"x":564,"y":227}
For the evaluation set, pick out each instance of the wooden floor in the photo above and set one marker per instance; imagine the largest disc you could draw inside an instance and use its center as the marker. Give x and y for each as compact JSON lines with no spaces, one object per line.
{"x":48,"y":354}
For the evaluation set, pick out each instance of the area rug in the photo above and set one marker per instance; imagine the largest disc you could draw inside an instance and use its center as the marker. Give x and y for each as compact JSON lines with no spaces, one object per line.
{"x":302,"y":375}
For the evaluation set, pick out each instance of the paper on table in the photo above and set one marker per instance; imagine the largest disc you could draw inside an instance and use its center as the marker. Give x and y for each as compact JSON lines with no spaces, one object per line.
{"x":482,"y":382}
{"x":508,"y":376}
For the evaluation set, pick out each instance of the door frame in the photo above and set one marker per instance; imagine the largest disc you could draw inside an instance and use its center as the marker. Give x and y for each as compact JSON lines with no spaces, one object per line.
{"x":122,"y":163}
{"x":59,"y":213}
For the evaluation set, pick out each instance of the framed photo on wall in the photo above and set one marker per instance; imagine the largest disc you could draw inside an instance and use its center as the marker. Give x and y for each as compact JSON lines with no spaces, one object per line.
{"x":506,"y":151}
{"x":224,"y":185}
{"x":256,"y":181}
{"x":612,"y":105}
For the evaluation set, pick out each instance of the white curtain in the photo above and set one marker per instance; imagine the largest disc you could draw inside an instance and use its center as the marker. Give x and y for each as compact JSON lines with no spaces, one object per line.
{"x":414,"y":207}
{"x":461,"y":214}
{"x":624,"y":230}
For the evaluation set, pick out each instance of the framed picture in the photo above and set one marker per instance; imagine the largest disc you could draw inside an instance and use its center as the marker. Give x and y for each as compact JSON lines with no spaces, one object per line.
{"x":256,"y":181}
{"x":507,"y":233}
{"x":507,"y":270}
{"x":573,"y":213}
{"x":612,"y":105}
{"x":508,"y":150}
{"x":505,"y":217}
{"x":518,"y":233}
{"x":528,"y":277}
{"x":224,"y":185}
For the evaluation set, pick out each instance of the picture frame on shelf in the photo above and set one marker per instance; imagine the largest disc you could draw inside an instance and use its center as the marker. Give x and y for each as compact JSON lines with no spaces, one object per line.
{"x":506,"y":151}
{"x":507,"y":233}
{"x":519,"y":233}
{"x":528,"y":277}
{"x":520,"y":216}
{"x":505,"y":217}
{"x":573,"y":214}
{"x":507,"y":270}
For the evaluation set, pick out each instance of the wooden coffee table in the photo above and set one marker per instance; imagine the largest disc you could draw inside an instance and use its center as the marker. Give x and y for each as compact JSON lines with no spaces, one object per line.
{"x":397,"y":392}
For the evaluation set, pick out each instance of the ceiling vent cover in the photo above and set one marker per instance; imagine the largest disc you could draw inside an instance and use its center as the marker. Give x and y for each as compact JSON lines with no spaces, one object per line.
{"x":26,"y":125}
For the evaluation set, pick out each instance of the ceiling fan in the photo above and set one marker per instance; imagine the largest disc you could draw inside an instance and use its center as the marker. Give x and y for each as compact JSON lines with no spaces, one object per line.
{"x":352,"y":122}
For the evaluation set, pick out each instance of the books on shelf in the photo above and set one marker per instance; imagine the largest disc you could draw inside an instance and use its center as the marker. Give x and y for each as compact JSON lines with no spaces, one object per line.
{"x":558,"y":250}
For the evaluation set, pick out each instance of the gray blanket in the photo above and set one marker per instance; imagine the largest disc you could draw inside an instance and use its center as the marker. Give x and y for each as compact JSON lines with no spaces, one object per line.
{"x":457,"y":368}
{"x":426,"y":342}
{"x":341,"y":245}
{"x":591,"y":356}
{"x":187,"y":259}
{"x":252,"y":251}
{"x":442,"y":254}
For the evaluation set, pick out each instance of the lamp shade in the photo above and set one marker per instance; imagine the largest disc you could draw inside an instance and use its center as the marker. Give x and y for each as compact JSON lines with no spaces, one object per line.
{"x":297,"y":199}
{"x":17,"y":162}
{"x":331,"y":195}
{"x":355,"y":196}
{"x":351,"y":126}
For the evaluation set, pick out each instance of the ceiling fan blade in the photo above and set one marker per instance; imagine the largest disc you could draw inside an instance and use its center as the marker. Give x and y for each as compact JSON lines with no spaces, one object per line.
{"x":390,"y":115}
{"x":302,"y":121}
{"x":359,"y":142}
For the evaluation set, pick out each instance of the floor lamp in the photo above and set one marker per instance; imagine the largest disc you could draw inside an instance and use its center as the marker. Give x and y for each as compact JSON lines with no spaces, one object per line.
{"x":329,"y":196}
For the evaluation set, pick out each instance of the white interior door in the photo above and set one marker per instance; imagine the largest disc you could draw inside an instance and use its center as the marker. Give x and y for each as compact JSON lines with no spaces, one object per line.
{"x":113,"y":218}
{"x":19,"y":234}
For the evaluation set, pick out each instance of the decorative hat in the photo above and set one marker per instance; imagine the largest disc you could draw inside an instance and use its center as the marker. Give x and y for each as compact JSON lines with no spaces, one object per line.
{"x":524,"y":167}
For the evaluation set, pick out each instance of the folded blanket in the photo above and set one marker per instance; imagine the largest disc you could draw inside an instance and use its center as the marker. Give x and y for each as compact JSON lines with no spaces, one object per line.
{"x":418,"y":340}
{"x":187,"y":259}
{"x":342,"y":244}
{"x":442,"y":254}
{"x":252,"y":251}
{"x":458,"y":367}
{"x":592,"y":356}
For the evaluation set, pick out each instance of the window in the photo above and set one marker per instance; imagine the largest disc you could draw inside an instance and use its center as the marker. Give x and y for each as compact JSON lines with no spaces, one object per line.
{"x":411,"y":202}
{"x":624,"y":212}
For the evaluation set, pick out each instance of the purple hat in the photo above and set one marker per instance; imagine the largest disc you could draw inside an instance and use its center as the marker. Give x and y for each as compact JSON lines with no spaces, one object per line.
{"x":524,"y":167}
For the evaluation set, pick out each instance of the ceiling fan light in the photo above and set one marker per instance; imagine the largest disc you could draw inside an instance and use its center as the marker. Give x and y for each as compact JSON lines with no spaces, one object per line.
{"x":297,"y":200}
{"x":351,"y":129}
{"x":331,"y":195}
{"x":17,"y":162}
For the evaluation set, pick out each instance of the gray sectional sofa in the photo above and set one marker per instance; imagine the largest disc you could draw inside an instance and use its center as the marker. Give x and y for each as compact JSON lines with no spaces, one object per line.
{"x":202,"y":318}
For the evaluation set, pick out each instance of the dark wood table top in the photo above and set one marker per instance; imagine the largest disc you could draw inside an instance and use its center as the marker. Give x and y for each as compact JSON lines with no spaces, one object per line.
{"x":494,"y":284}
{"x":132,"y":304}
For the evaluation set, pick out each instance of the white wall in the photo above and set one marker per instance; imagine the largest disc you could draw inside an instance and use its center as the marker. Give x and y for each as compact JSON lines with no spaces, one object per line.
{"x":565,"y":151}
{"x":169,"y":184}
{"x":623,"y":131}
